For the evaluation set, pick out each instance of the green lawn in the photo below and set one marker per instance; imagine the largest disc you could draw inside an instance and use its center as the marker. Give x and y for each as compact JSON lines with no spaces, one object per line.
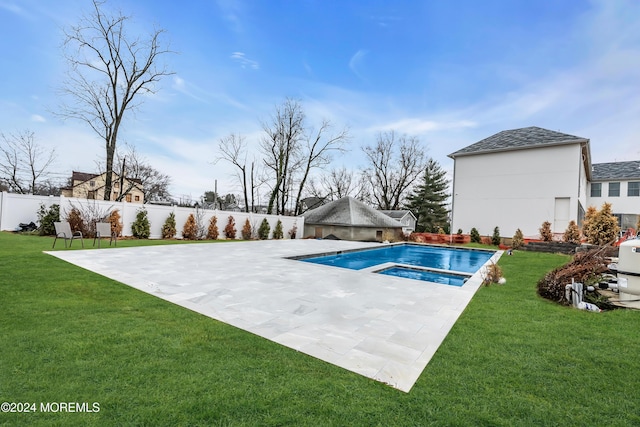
{"x":69,"y":335}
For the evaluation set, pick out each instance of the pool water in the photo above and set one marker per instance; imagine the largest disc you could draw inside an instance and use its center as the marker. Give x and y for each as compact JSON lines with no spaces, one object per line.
{"x":426,"y":275}
{"x":464,"y":260}
{"x":420,"y":262}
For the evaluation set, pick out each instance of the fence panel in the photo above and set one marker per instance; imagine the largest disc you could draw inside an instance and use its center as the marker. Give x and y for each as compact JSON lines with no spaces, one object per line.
{"x":23,"y":208}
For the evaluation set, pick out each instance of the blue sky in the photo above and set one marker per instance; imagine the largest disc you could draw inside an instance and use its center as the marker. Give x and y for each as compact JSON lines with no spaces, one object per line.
{"x":451,"y":72}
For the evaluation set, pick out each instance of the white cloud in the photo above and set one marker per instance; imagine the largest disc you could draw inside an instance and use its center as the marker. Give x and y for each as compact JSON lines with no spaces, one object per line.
{"x":245,"y":62}
{"x":38,"y":118}
{"x":414,"y":126}
{"x":355,"y":63}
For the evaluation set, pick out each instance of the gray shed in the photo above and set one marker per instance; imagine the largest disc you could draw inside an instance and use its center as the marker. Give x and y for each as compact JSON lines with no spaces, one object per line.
{"x":350,"y":219}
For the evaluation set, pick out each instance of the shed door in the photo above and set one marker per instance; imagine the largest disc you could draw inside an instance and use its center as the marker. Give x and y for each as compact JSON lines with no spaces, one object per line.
{"x":561,"y":214}
{"x":318,"y":234}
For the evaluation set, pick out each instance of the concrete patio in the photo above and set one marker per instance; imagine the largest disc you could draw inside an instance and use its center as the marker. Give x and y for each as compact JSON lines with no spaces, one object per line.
{"x":382,"y":327}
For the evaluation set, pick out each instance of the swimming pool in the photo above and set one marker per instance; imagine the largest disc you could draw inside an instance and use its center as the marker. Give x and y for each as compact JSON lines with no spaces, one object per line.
{"x":414,"y":261}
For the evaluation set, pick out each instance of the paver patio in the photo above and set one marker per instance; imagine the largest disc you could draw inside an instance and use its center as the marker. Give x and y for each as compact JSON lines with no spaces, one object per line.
{"x":382,"y":327}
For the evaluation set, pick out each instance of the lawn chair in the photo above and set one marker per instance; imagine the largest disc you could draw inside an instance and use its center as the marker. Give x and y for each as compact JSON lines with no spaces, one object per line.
{"x":103,"y":229}
{"x":63,"y":231}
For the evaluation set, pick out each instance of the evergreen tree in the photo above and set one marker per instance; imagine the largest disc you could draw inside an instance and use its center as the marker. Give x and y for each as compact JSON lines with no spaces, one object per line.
{"x":427,"y":201}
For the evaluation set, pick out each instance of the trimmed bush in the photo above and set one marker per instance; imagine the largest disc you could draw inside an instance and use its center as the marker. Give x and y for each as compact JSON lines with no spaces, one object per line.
{"x":141,"y":228}
{"x":495,"y":238}
{"x":46,"y":218}
{"x":246,"y":230}
{"x":475,"y":236}
{"x":277,"y":231}
{"x":114,"y":220}
{"x":212,"y":232}
{"x":75,"y":220}
{"x":190,"y":229}
{"x":169,"y":227}
{"x":572,"y":233}
{"x":230,"y":228}
{"x":263,"y":231}
{"x":603,"y":228}
{"x":518,"y":240}
{"x":292,"y":233}
{"x":588,"y":221}
{"x":545,"y":232}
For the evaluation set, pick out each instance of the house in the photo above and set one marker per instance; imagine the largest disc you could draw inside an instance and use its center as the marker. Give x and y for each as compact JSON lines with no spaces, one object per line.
{"x":91,"y":186}
{"x":617,"y":183}
{"x":522,"y":177}
{"x":309,"y":203}
{"x":406,"y":218}
{"x":350,"y":219}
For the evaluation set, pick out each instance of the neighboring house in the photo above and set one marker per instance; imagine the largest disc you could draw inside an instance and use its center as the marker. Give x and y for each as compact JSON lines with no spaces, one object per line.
{"x":617,"y":183}
{"x":350,"y":219}
{"x":522,"y":177}
{"x":91,"y":186}
{"x":309,"y":203}
{"x":405,"y":217}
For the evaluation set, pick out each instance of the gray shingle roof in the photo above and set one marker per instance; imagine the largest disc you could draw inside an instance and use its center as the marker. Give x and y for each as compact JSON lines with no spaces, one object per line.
{"x":518,"y":139}
{"x":397,"y":214}
{"x":615,"y":170}
{"x":349,"y":212}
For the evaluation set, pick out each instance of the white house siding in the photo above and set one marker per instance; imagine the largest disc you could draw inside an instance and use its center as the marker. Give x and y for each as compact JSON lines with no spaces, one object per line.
{"x":517,"y":189}
{"x":624,"y":205}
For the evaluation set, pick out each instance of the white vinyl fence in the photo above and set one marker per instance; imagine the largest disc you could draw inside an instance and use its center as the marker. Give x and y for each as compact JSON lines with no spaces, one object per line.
{"x":22,"y":208}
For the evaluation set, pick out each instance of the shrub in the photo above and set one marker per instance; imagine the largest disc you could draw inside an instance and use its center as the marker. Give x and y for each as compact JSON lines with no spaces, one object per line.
{"x":492,"y":274}
{"x":588,"y":221}
{"x":230,"y":228}
{"x":475,"y":235}
{"x":572,"y":233}
{"x":586,"y":267}
{"x":169,"y":227}
{"x":277,"y":231}
{"x":141,"y":228}
{"x":495,"y":238}
{"x":603,"y":228}
{"x":440,"y":230}
{"x":518,"y":239}
{"x":190,"y":229}
{"x":75,"y":220}
{"x":246,"y":230}
{"x":212,"y":232}
{"x":46,"y":218}
{"x":459,"y":233}
{"x":293,"y":231}
{"x":114,"y":220}
{"x":263,"y":231}
{"x":545,"y":232}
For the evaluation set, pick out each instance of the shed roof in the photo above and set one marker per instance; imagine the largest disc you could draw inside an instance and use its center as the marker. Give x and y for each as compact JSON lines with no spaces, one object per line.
{"x":616,"y":170}
{"x":516,"y":139}
{"x":349,"y":212}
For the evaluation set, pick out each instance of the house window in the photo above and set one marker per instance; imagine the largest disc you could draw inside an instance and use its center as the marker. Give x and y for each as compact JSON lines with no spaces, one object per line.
{"x":614,"y":189}
{"x":116,"y":185}
{"x":129,"y":198}
{"x":137,"y":198}
{"x":91,"y":195}
{"x":92,"y":184}
{"x":115,"y":195}
{"x":633,"y":189}
{"x":596,"y":189}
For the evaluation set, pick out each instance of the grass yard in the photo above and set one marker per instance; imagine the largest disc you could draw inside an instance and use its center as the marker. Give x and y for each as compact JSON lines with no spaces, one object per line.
{"x":69,"y":335}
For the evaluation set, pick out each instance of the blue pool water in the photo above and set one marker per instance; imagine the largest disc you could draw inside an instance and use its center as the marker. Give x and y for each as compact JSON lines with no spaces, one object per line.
{"x":463,"y":260}
{"x":426,"y":275}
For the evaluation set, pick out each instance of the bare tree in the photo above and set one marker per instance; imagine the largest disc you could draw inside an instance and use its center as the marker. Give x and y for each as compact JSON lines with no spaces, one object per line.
{"x":281,"y":147}
{"x":24,"y":163}
{"x":109,"y":71}
{"x":133,"y":169}
{"x":394,"y":164}
{"x":319,"y":150}
{"x":339,"y":183}
{"x":233,"y":149}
